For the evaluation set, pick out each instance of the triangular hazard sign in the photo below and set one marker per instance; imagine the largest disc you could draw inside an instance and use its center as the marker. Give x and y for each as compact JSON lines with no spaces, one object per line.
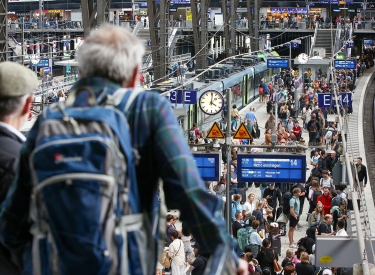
{"x":242,"y":132}
{"x":215,"y":132}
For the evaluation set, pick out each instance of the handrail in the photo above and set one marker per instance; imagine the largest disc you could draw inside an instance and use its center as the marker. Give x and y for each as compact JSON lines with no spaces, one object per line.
{"x":147,"y":63}
{"x":136,"y":28}
{"x":314,"y":39}
{"x":337,"y":44}
{"x":350,"y":35}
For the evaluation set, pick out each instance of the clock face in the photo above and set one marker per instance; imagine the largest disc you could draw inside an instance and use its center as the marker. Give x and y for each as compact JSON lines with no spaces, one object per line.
{"x":303,"y":58}
{"x":211,"y":102}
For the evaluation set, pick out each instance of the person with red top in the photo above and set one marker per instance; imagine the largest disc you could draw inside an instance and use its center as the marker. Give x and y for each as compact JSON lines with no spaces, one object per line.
{"x":297,"y":130}
{"x":326,"y":200}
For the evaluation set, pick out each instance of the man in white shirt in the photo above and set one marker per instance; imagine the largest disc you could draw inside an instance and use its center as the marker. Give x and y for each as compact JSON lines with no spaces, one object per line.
{"x":340,"y":228}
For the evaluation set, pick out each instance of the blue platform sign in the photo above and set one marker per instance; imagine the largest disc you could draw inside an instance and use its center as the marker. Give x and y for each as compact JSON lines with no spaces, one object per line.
{"x":326,"y":101}
{"x":183,"y":97}
{"x":47,"y":70}
{"x":278,"y":63}
{"x":350,"y":45}
{"x":208,"y":165}
{"x":43,"y":62}
{"x":295,"y":45}
{"x":367,"y":42}
{"x":348,"y":64}
{"x":271,"y":168}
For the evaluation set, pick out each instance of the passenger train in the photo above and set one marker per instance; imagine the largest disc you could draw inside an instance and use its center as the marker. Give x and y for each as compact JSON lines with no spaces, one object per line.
{"x":240,"y":76}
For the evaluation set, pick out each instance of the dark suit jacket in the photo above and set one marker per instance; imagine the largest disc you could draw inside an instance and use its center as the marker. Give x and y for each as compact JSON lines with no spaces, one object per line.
{"x":10,"y":147}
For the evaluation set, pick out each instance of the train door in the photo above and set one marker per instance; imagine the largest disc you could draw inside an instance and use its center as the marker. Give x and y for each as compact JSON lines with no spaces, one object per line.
{"x":248,"y":88}
{"x":244,"y":90}
{"x":191,"y":116}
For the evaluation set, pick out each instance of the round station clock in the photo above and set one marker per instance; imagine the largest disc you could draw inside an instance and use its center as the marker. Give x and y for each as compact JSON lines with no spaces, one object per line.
{"x":303,"y":58}
{"x":211,"y":102}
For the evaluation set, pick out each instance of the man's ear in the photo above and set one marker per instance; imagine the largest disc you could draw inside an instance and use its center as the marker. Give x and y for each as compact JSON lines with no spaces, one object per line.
{"x":27,"y":105}
{"x":134,"y":79}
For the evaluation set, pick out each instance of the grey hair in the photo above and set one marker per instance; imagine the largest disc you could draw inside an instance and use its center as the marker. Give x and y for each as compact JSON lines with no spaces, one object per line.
{"x":111,"y":52}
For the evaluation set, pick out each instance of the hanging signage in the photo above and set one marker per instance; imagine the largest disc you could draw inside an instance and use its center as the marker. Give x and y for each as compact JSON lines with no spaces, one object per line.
{"x":274,"y":10}
{"x":342,"y":64}
{"x":350,"y":45}
{"x":327,"y":100}
{"x":43,"y":62}
{"x":242,"y":132}
{"x":278,"y":63}
{"x":367,"y":42}
{"x":215,"y":132}
{"x":295,"y":45}
{"x":208,"y":165}
{"x":271,"y":168}
{"x":183,"y":96}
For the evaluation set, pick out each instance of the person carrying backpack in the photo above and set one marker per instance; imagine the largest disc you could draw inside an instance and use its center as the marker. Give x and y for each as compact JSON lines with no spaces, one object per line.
{"x":80,"y":164}
{"x":339,"y":213}
{"x":313,"y":128}
{"x":194,"y":133}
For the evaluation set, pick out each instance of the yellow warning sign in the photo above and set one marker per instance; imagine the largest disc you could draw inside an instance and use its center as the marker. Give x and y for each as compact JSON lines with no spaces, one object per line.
{"x":242,"y":132}
{"x":215,"y":132}
{"x":325,"y":259}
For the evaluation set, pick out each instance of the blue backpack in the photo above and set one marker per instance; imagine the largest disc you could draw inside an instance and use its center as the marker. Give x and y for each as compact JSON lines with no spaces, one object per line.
{"x":85,"y":204}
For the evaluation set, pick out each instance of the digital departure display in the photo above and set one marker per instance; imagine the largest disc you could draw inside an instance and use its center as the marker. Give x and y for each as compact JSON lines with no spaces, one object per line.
{"x":208,"y":165}
{"x":271,"y":168}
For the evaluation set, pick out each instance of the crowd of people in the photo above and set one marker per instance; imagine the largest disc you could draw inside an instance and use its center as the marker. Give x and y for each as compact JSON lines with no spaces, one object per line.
{"x":313,"y":20}
{"x":259,"y":222}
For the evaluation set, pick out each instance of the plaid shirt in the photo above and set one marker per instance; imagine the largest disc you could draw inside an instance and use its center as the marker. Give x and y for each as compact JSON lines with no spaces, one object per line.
{"x":164,"y":154}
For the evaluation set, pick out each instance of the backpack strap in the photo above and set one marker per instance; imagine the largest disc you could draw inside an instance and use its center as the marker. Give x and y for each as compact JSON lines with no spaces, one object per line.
{"x":123,"y":97}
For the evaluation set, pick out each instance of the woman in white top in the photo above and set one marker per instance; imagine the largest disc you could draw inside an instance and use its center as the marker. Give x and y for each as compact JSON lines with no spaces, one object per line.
{"x":249,"y":206}
{"x":176,"y":252}
{"x":308,"y":116}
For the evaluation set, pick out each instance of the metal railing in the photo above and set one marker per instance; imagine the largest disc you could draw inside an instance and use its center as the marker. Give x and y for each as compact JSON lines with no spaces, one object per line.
{"x":17,"y":26}
{"x":59,"y":84}
{"x":148,"y":63}
{"x":314,"y":39}
{"x":137,"y":28}
{"x":337,"y":44}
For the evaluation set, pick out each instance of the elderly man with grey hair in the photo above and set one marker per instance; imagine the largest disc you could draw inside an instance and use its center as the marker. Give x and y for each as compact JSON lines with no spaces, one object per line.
{"x":110,"y":59}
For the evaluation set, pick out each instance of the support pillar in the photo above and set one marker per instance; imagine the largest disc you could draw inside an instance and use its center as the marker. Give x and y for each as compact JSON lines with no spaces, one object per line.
{"x":159,"y":26}
{"x":200,"y":32}
{"x":257,"y":6}
{"x":3,"y":31}
{"x":230,"y":26}
{"x":94,"y":13}
{"x":250,"y":24}
{"x":233,"y":26}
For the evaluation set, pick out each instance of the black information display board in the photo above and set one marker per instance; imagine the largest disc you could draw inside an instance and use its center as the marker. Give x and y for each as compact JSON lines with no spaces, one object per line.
{"x":271,"y":168}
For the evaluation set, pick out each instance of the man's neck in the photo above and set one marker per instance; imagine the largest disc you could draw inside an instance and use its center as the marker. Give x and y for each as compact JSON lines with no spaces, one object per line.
{"x":14,"y":122}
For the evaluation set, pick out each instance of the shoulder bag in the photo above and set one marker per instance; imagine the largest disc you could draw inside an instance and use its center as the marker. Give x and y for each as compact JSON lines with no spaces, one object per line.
{"x":276,"y":266}
{"x":165,"y":260}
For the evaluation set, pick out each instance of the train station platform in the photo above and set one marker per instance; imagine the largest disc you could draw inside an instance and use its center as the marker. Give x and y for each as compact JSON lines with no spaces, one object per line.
{"x":356,"y":148}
